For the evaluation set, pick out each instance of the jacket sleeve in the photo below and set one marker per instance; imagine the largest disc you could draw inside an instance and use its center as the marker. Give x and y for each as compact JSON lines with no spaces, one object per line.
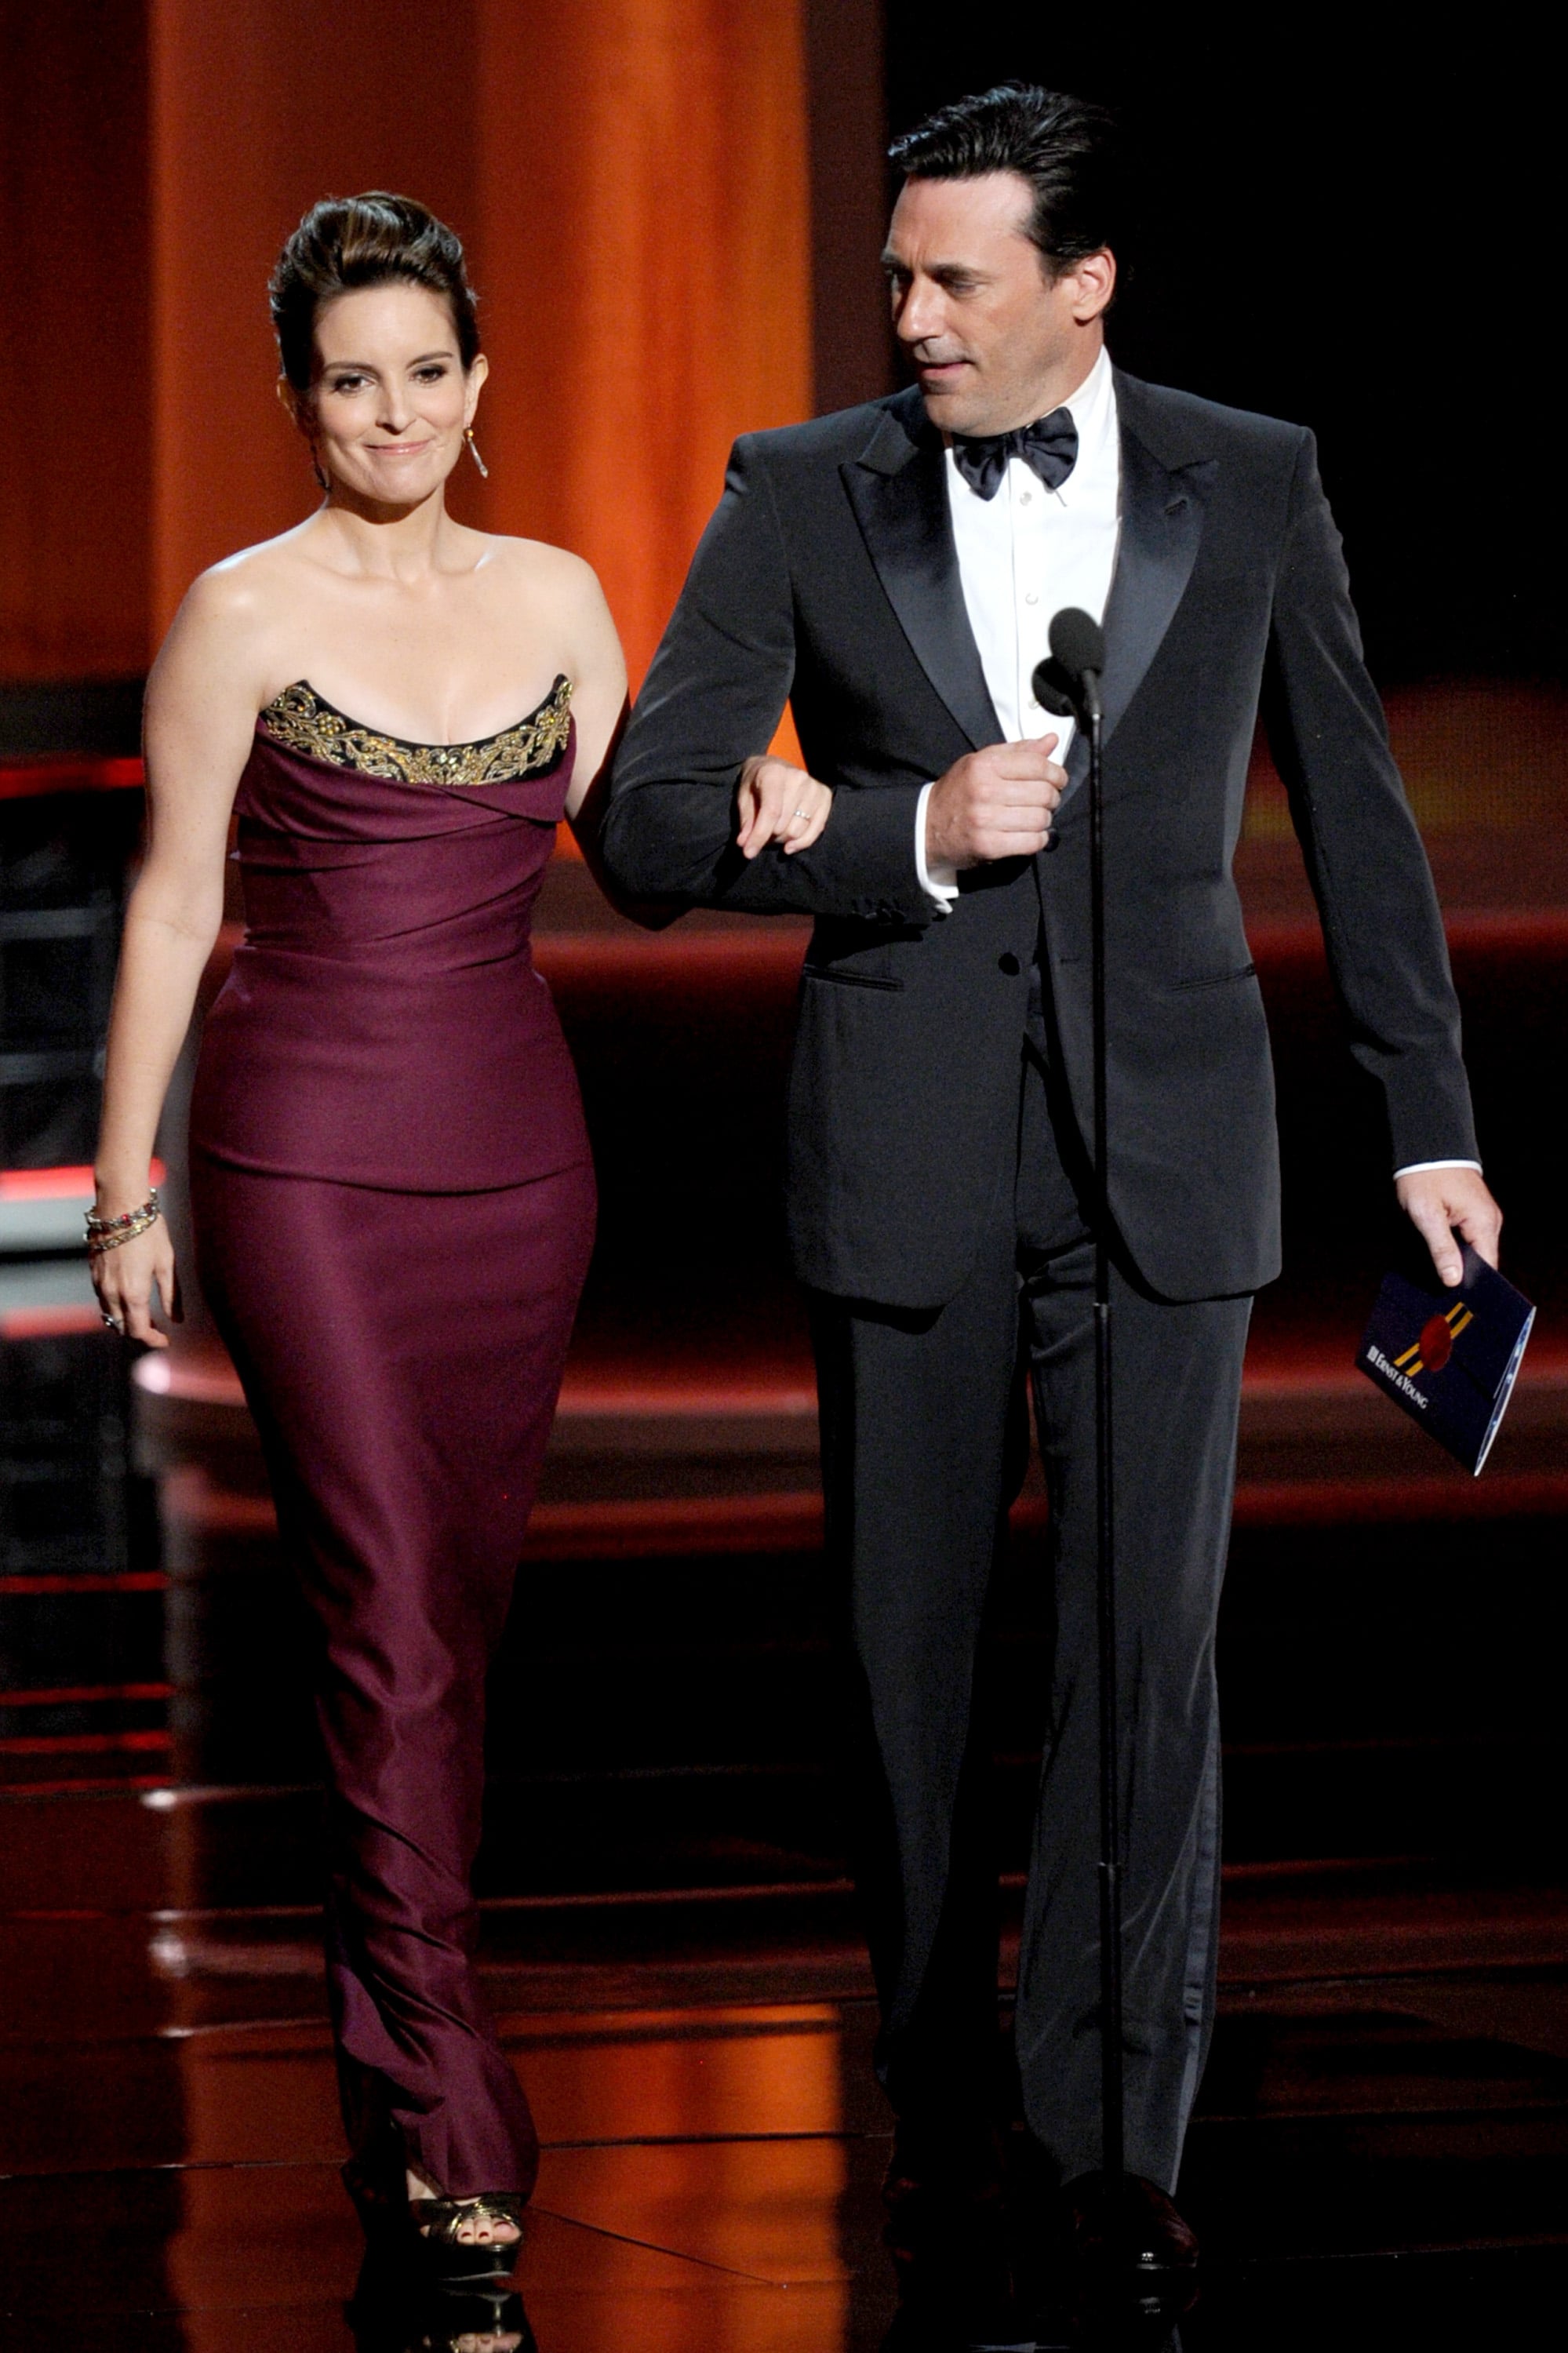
{"x":714,"y":696}
{"x":1364,"y":856}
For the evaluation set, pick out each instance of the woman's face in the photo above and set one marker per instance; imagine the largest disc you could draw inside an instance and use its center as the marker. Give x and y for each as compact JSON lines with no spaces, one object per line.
{"x":390,"y":400}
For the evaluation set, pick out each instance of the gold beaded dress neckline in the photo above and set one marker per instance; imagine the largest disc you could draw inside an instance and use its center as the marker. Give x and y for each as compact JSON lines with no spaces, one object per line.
{"x":300,"y":719}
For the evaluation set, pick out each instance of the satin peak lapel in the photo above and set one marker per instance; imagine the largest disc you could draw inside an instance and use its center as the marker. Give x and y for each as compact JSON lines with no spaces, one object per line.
{"x":1161,"y":525}
{"x":900,"y":499}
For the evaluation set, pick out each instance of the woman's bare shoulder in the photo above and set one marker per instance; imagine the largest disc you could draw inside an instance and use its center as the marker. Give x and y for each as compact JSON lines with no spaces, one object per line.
{"x":551,"y":588}
{"x":533,"y":567}
{"x":232,"y":616}
{"x":250,"y":586}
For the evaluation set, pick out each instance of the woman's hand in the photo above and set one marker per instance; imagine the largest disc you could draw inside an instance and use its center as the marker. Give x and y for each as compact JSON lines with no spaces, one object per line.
{"x":779,"y":803}
{"x":123,"y":1279}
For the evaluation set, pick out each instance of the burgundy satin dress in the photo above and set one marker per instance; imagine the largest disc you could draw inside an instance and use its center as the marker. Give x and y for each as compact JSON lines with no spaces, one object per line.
{"x":394,"y":1207}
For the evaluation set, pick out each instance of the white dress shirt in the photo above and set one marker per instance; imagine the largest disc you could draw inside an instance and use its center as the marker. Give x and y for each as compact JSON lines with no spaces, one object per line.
{"x":1024,"y":555}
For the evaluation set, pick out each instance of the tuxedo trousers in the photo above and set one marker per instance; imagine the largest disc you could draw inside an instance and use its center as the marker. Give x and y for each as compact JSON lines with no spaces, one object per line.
{"x":924,"y":1440}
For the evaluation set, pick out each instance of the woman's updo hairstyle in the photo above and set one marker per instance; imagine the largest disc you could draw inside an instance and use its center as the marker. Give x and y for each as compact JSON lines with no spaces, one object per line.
{"x":347,"y":242}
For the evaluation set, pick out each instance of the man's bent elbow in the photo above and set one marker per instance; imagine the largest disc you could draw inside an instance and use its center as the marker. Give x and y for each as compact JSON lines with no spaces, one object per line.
{"x":641,"y":855}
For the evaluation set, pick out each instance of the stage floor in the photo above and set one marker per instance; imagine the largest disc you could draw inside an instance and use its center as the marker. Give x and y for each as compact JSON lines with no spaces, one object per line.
{"x":1381,"y":2154}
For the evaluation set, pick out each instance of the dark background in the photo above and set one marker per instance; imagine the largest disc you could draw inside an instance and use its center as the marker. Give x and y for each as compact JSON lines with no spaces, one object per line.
{"x":1357,"y":231}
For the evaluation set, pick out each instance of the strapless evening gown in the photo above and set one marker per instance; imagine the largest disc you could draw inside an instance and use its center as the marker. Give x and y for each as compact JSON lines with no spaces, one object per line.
{"x":394,"y":1209}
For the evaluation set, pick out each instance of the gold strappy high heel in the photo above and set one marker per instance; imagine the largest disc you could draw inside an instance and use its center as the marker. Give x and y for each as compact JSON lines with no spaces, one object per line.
{"x":422,"y":2234}
{"x":447,"y":2257}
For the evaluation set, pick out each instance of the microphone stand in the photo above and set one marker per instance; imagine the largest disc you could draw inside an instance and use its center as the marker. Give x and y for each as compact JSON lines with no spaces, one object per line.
{"x":1113,"y":2127}
{"x":1078,"y":692}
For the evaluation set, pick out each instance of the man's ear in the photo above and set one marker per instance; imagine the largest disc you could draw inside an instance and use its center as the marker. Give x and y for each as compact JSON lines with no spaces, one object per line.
{"x":1095,"y":284}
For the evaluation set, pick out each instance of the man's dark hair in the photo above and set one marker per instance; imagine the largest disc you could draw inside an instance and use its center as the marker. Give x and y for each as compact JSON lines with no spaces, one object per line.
{"x":1065,"y":147}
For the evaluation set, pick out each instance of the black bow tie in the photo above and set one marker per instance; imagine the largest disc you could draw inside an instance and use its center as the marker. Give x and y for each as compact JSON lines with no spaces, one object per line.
{"x":1049,"y":447}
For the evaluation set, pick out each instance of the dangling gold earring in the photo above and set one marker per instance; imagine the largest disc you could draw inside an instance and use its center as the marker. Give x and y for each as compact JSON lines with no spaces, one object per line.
{"x":474,"y":451}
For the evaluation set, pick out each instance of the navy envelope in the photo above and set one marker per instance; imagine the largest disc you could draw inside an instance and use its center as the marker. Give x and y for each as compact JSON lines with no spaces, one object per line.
{"x":1449,"y":1357}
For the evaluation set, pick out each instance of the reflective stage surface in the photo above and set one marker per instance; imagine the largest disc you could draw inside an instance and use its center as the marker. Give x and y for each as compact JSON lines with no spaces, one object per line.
{"x":1382,"y":2155}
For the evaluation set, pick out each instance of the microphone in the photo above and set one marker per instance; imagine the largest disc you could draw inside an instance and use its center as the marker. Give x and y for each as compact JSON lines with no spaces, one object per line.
{"x":1068,"y":683}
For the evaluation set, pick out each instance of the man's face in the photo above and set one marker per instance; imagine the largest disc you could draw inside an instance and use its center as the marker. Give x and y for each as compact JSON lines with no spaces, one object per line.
{"x":994,"y":341}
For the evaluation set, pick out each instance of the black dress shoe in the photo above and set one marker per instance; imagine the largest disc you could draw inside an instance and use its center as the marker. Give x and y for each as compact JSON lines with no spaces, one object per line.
{"x":1127,"y":2227}
{"x":947,"y":2234}
{"x":938,"y":2182}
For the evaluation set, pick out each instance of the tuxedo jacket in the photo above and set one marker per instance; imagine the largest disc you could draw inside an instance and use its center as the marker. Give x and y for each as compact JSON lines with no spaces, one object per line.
{"x":828,"y":577}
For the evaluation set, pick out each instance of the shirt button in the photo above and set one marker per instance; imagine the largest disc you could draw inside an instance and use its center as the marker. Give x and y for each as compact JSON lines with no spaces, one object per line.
{"x":1031,"y":598}
{"x":1024,"y":497}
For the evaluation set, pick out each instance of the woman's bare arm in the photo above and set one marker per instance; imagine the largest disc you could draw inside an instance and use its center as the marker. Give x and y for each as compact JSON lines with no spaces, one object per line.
{"x":200,"y":717}
{"x":600,"y":706}
{"x":599,"y":691}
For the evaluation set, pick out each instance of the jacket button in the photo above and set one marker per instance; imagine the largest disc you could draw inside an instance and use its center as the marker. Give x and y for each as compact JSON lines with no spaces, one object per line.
{"x":1010,"y":965}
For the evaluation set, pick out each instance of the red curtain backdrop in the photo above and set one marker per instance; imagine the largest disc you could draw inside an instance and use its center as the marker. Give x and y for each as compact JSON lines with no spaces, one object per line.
{"x":256,"y":111}
{"x":632,"y":181}
{"x":74,"y":472}
{"x":644,"y":224}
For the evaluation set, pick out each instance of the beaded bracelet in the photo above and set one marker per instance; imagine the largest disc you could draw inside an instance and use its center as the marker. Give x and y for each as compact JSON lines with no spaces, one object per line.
{"x":108,"y":1233}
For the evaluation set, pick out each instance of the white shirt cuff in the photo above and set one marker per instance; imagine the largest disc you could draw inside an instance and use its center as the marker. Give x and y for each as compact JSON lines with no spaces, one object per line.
{"x":1415,"y":1167}
{"x":938,"y":879}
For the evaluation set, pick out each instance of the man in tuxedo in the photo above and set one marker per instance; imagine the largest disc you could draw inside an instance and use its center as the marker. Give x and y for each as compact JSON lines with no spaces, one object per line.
{"x":893,"y":572}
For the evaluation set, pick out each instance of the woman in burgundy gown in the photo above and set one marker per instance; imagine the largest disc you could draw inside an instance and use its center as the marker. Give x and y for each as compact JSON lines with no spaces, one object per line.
{"x":390,"y":1175}
{"x":394,"y":1203}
